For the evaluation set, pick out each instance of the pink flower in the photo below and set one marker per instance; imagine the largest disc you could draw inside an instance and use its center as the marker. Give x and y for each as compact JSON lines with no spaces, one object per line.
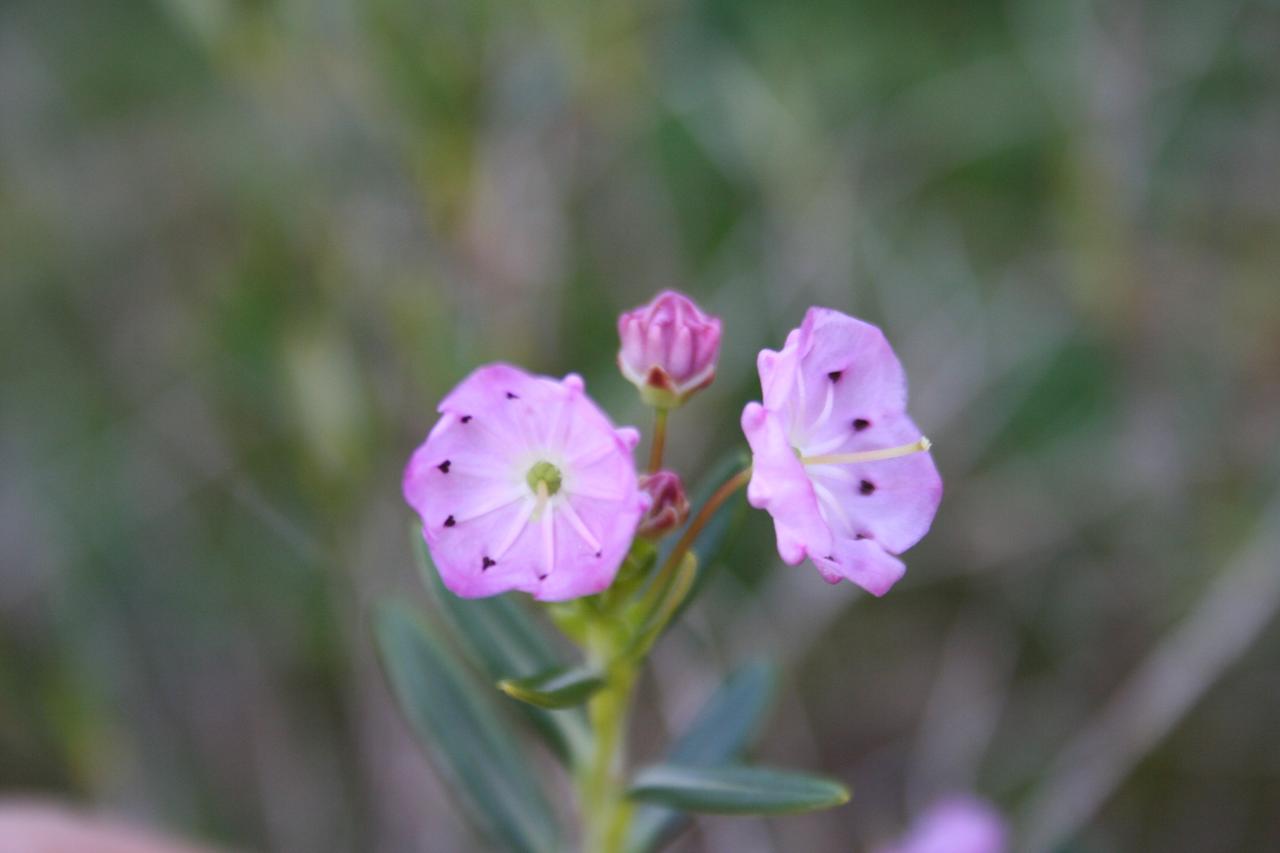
{"x":955,"y":825}
{"x":39,"y":827}
{"x":668,"y":508}
{"x":524,"y":484}
{"x":669,"y":349}
{"x":838,"y":464}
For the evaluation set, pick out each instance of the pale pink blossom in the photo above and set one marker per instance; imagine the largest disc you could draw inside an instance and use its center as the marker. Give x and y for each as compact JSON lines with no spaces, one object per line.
{"x":837,"y":462}
{"x":669,"y":348}
{"x":961,"y":824}
{"x":39,"y":827}
{"x":524,"y":484}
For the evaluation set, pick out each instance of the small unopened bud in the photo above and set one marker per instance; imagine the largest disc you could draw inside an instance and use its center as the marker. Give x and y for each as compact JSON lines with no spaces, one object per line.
{"x":669,"y":508}
{"x":669,"y":349}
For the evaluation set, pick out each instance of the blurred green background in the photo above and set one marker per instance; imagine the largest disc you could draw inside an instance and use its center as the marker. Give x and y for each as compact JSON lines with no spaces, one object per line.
{"x":247,"y":245}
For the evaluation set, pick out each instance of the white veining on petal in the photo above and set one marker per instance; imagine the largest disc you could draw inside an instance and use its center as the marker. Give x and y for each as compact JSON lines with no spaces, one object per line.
{"x":518,"y":524}
{"x":827,"y":405}
{"x":836,"y":442}
{"x":590,"y":494}
{"x":576,"y":522}
{"x":523,"y":422}
{"x":556,"y":435}
{"x":843,"y":473}
{"x":548,"y":539}
{"x":828,"y":501}
{"x":495,"y":503}
{"x":587,"y":458}
{"x":502,"y":447}
{"x":798,"y":403}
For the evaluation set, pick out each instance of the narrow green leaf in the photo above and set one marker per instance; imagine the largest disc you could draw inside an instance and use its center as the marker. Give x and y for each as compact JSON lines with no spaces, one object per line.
{"x":719,"y":734}
{"x":736,"y":789}
{"x":460,"y":726}
{"x":505,"y":642}
{"x":558,"y":688}
{"x":668,"y":604}
{"x":726,"y":724}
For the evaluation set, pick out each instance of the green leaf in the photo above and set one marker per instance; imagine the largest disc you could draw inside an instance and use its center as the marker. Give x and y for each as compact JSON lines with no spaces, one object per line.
{"x":726,"y":724}
{"x":736,"y":789}
{"x":563,"y":687}
{"x":460,"y":726}
{"x":719,"y":734}
{"x":506,"y":643}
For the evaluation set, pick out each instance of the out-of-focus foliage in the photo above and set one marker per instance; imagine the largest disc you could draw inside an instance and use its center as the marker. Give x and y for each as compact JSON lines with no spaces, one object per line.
{"x":246,"y":245}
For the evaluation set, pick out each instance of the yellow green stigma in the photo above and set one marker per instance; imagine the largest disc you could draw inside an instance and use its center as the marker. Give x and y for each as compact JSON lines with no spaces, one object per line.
{"x":544,"y":474}
{"x":922,"y":445}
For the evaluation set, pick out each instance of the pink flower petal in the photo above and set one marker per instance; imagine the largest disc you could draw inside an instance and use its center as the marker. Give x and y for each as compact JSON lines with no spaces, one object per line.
{"x":892,"y":501}
{"x":864,"y":562}
{"x":834,"y":357}
{"x":780,"y":486}
{"x":836,"y":388}
{"x":488,"y":529}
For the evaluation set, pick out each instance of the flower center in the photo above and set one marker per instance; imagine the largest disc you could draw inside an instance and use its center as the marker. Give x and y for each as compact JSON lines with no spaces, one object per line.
{"x":545,"y":475}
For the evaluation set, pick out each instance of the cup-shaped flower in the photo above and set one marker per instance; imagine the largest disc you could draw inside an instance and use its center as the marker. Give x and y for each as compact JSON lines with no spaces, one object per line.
{"x":961,"y":824}
{"x":668,"y":507}
{"x":524,"y":484}
{"x":669,"y":349}
{"x":837,"y":462}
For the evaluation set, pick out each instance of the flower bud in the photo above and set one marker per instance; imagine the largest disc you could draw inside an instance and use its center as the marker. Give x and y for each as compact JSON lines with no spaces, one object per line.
{"x":669,"y":349}
{"x":669,"y":507}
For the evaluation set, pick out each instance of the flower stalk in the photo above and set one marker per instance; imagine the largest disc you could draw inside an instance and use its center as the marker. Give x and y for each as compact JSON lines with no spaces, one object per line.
{"x":659,"y":440}
{"x":617,"y":638}
{"x":690,"y":535}
{"x":601,"y":780}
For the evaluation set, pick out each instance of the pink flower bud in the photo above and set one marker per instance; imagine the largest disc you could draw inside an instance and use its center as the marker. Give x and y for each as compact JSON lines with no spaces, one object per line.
{"x":668,"y":508}
{"x":669,"y":349}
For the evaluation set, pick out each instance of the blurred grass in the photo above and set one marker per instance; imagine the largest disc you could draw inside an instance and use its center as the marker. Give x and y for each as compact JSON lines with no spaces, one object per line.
{"x":246,"y":246}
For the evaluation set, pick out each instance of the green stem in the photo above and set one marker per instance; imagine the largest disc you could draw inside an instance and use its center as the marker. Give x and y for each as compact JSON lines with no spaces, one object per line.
{"x":601,"y":776}
{"x":606,"y":813}
{"x":659,"y":439}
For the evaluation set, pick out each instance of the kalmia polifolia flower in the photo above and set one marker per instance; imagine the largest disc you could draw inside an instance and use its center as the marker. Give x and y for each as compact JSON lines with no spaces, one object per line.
{"x":837,"y":462}
{"x":668,"y":507}
{"x":956,"y":825}
{"x":524,"y":484}
{"x":669,"y":349}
